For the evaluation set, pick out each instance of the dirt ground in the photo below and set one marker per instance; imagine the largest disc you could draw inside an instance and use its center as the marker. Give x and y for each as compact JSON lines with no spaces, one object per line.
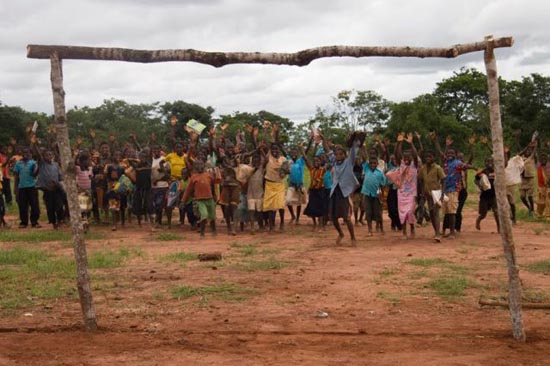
{"x":379,"y":297}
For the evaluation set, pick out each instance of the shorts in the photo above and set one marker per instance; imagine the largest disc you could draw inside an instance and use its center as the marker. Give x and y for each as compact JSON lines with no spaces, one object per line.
{"x":255,"y":204}
{"x":230,"y":195}
{"x":527,"y":186}
{"x":450,"y":206}
{"x":206,"y":209}
{"x":296,"y":196}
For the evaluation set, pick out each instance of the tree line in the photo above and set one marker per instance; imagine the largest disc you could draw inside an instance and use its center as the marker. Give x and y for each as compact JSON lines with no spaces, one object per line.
{"x":457,"y":107}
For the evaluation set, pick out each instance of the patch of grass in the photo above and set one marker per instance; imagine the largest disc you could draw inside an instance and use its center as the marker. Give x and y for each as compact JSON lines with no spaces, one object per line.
{"x":20,"y":255}
{"x":179,"y":257}
{"x":111,"y":258}
{"x":33,"y":275}
{"x":542,"y":266}
{"x":388,"y":272}
{"x":224,"y":291}
{"x":261,"y":265}
{"x":30,"y":236}
{"x":248,"y":250}
{"x":427,"y":262}
{"x":389,"y":296}
{"x":169,"y":237}
{"x":419,"y":275}
{"x":450,"y":287}
{"x":538,"y":230}
{"x":531,"y":295}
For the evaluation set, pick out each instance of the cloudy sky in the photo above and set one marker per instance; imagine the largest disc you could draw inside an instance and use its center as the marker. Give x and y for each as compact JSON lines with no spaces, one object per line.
{"x":269,"y":25}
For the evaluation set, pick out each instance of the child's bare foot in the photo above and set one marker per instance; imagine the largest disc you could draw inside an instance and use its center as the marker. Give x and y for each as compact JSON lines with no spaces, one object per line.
{"x":405,"y":237}
{"x":370,"y":233}
{"x":437,"y":239}
{"x":353,"y":242}
{"x":339,"y":239}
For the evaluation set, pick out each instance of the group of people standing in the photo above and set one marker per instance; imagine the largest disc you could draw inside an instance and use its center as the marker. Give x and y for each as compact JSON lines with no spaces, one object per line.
{"x":254,"y":180}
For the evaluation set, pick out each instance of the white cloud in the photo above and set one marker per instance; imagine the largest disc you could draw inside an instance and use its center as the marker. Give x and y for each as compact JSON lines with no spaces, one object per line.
{"x":247,"y":25}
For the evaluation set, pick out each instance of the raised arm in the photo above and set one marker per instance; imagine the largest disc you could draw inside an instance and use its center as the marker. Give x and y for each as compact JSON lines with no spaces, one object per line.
{"x":410,"y":140}
{"x":398,"y":148}
{"x":435,"y":139}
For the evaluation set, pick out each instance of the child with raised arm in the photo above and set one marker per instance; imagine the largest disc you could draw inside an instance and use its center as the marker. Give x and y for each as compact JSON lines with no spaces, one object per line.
{"x":485,"y":180}
{"x":201,"y":186}
{"x":373,"y":181}
{"x":405,"y":178}
{"x":317,"y":205}
{"x":344,"y":184}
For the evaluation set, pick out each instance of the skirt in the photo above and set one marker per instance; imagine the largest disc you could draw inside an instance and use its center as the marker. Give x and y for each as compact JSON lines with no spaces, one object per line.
{"x":318,"y":203}
{"x":339,"y":206}
{"x":274,"y":196}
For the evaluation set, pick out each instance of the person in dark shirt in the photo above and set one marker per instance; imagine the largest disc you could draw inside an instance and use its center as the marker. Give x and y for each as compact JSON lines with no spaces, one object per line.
{"x":485,"y":180}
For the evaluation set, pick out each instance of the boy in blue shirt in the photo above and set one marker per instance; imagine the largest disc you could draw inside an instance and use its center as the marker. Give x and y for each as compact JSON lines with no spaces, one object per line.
{"x":25,"y":171}
{"x":296,"y":195}
{"x":373,"y":181}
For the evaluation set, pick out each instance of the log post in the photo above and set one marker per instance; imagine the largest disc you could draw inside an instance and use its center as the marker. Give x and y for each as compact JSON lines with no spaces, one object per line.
{"x":69,"y":178}
{"x":514,"y":284}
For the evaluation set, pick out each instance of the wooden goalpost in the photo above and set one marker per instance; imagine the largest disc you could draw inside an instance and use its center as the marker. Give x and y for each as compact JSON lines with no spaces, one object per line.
{"x":302,"y":58}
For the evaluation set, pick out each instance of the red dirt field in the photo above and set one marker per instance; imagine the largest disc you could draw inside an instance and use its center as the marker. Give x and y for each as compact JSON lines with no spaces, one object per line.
{"x":381,"y":299}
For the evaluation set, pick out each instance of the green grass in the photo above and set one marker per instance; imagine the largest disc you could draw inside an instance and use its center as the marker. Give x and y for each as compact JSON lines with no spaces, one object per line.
{"x":179,"y":257}
{"x":111,"y":258}
{"x":28,"y":276}
{"x":450,"y":287}
{"x":531,"y":295}
{"x":388,"y":272}
{"x":245,"y":249}
{"x":260,"y":265}
{"x":224,"y":291}
{"x":389,"y":296}
{"x":427,"y":262}
{"x":169,"y":237}
{"x":542,"y":266}
{"x":33,"y":236}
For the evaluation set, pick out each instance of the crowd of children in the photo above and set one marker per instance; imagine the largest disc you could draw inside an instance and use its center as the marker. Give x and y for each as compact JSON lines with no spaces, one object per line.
{"x":253,"y":179}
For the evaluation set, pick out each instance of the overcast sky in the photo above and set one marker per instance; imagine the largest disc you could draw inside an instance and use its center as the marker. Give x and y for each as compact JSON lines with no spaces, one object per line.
{"x":247,"y":25}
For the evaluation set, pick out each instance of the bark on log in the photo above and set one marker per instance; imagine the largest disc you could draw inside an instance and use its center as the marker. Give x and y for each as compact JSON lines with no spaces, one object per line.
{"x":514,"y":284}
{"x":219,"y":59}
{"x":525,"y":305}
{"x":215,"y":256}
{"x":69,"y":178}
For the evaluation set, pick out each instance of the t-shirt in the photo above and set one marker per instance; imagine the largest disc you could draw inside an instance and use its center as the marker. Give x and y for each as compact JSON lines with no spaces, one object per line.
{"x":317,"y":177}
{"x":256,"y":185}
{"x":453,"y":172}
{"x":272,"y":171}
{"x":25,"y":170}
{"x":48,"y":174}
{"x":327,"y":177}
{"x":296,"y":176}
{"x":177,"y":164}
{"x":513,"y":170}
{"x":157,"y":174}
{"x":200,"y":185}
{"x":373,"y":180}
{"x":431,"y":177}
{"x":84,"y":178}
